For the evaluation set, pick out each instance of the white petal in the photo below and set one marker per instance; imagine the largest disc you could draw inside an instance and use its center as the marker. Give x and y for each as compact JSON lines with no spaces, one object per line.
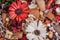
{"x":51,"y":28}
{"x":42,"y":29}
{"x":40,"y":24}
{"x":34,"y":24}
{"x":40,"y":38}
{"x":43,"y":33}
{"x":29,"y":29}
{"x":36,"y":38}
{"x":30,"y":36}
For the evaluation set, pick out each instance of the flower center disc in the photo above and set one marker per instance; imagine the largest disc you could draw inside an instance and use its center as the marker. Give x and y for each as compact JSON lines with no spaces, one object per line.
{"x":37,"y":32}
{"x":18,"y":11}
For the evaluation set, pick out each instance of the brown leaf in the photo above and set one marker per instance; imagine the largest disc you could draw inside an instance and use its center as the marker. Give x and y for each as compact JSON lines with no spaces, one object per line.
{"x":41,"y":4}
{"x":41,"y":16}
{"x":51,"y":16}
{"x":4,"y":17}
{"x":57,"y":28}
{"x":18,"y":35}
{"x":35,"y":12}
{"x":1,"y":38}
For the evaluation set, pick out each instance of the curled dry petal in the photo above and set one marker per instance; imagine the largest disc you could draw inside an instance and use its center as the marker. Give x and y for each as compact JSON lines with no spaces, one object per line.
{"x":51,"y":16}
{"x":49,"y":4}
{"x":4,"y":17}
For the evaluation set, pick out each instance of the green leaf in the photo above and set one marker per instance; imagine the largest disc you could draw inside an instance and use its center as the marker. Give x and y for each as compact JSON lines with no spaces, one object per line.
{"x":6,"y":3}
{"x":0,"y":1}
{"x":8,"y":0}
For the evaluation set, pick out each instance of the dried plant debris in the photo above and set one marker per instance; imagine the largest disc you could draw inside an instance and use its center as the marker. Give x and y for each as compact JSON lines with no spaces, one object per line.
{"x":29,"y":19}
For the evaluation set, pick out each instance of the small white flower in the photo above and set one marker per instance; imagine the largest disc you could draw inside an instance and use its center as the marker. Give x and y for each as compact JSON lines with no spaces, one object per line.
{"x":36,"y":30}
{"x":58,"y":10}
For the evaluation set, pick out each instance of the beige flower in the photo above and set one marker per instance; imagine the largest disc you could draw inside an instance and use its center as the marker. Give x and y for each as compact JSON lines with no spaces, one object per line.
{"x":8,"y":34}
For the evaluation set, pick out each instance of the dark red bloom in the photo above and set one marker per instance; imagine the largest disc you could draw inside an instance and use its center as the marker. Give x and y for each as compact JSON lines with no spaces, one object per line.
{"x":18,"y":10}
{"x":24,"y":37}
{"x":15,"y":26}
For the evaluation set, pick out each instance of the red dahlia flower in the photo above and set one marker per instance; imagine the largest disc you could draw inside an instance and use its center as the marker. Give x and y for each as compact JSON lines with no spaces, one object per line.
{"x":18,"y":10}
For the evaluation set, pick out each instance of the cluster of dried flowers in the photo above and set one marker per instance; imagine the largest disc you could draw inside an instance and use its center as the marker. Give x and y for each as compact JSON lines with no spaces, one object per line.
{"x":30,"y":20}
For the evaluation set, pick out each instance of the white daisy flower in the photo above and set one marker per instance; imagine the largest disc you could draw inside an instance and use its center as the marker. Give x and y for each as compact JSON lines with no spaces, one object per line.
{"x":36,"y":31}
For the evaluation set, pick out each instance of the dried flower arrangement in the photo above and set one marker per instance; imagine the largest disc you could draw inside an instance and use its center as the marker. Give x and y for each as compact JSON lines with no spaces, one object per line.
{"x":29,"y":19}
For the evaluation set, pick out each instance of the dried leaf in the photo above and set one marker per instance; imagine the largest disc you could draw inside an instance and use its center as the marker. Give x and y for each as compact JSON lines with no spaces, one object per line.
{"x":1,"y":38}
{"x":57,"y":28}
{"x":41,"y":4}
{"x":3,"y":17}
{"x":18,"y":35}
{"x":51,"y":16}
{"x":41,"y":17}
{"x":35,"y":12}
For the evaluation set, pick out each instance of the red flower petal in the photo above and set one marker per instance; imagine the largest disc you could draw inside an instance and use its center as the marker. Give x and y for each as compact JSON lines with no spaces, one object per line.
{"x":12,"y":14}
{"x":20,"y":18}
{"x":19,"y":27}
{"x":24,"y":5}
{"x":18,"y":4}
{"x":14,"y":5}
{"x":17,"y":18}
{"x":13,"y":28}
{"x":25,"y":9}
{"x":14,"y":31}
{"x":12,"y":9}
{"x":24,"y":38}
{"x":23,"y":16}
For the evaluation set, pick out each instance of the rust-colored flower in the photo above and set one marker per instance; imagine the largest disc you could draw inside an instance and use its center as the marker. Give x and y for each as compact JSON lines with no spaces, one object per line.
{"x":18,"y":10}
